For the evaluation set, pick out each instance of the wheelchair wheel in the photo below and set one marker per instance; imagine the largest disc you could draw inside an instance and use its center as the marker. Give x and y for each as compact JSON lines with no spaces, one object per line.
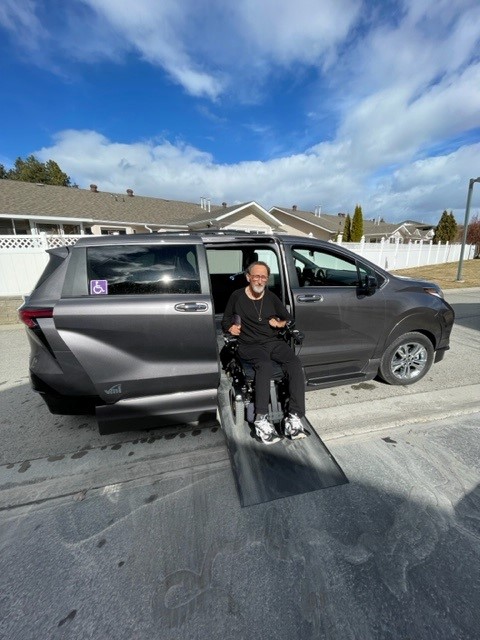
{"x":238,"y":409}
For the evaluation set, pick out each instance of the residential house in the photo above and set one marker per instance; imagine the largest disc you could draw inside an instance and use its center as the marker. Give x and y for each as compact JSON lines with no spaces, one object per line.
{"x":330,"y":227}
{"x":27,"y":208}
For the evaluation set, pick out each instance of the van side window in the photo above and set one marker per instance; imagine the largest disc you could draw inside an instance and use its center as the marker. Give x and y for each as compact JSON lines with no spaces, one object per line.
{"x":142,"y":270}
{"x":317,"y":268}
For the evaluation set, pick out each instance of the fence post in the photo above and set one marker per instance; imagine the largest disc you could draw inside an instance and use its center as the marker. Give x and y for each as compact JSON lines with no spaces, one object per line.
{"x":429,"y":251}
{"x":397,"y":244}
{"x":382,"y":245}
{"x":407,"y":261}
{"x":420,"y":252}
{"x":362,"y":245}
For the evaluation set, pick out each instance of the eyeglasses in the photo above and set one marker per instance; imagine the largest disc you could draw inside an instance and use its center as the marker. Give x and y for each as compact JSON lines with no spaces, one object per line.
{"x":263,"y":278}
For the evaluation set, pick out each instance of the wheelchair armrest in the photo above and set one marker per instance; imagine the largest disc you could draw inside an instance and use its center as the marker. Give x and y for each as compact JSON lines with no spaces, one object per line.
{"x":298,"y":336}
{"x":290,"y":333}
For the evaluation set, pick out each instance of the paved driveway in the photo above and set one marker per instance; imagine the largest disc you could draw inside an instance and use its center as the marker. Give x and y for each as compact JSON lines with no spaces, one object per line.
{"x":141,"y":536}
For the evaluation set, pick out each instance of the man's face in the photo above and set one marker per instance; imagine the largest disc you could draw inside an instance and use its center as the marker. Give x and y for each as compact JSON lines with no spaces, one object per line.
{"x":258,"y":278}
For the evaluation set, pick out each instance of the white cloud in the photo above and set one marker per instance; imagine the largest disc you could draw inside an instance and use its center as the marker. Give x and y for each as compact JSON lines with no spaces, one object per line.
{"x":19,"y":17}
{"x":402,"y":86}
{"x":206,"y":47}
{"x":421,"y":189}
{"x":390,"y":127}
{"x":302,"y":31}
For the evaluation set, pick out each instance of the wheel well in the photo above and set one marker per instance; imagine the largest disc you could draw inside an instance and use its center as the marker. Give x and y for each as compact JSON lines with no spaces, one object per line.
{"x":402,"y":330}
{"x":427,"y":334}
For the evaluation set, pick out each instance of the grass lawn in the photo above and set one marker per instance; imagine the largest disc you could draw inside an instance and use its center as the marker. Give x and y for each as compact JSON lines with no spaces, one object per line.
{"x":445,"y":274}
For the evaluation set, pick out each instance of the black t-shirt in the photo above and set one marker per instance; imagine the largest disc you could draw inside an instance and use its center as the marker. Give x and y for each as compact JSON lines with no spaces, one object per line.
{"x":254,"y":330}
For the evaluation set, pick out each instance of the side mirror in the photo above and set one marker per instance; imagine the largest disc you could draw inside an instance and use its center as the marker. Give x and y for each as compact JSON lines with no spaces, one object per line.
{"x":370,"y":285}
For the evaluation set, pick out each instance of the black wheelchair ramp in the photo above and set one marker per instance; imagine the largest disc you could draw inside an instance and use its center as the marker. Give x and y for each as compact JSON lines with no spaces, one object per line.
{"x":287,"y":468}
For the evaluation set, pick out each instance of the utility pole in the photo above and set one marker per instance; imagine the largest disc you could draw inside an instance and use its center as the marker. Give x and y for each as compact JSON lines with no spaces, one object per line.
{"x":465,"y":227}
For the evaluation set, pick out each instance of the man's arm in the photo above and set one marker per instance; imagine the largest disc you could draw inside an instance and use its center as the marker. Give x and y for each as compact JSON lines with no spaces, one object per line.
{"x":282,"y":316}
{"x":227,"y":322}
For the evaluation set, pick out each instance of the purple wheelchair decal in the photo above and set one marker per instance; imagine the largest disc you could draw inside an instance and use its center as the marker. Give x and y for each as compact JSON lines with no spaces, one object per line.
{"x":98,"y":287}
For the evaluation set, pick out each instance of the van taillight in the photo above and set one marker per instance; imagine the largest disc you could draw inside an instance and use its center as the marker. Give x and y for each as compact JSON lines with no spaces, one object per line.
{"x":29,"y":316}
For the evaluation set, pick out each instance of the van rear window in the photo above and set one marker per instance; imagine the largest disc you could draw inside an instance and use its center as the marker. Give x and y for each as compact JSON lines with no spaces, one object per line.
{"x":142,"y":270}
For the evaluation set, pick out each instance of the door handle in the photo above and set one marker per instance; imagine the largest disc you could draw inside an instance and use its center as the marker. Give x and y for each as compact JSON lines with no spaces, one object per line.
{"x":312,"y":297}
{"x":191,"y":306}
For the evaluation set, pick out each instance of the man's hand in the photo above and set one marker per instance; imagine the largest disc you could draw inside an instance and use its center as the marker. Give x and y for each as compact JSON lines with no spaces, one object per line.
{"x":235,"y":329}
{"x":276,"y":323}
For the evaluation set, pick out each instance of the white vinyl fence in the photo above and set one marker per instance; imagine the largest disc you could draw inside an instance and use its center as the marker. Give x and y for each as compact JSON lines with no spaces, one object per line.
{"x":393,"y":256}
{"x":23,"y":258}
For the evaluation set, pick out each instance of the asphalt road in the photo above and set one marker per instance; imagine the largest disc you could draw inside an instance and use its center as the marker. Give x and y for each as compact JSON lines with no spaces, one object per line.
{"x":141,"y":535}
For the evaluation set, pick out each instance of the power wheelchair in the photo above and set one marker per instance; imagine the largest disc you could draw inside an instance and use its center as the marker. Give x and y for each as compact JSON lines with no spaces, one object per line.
{"x":241,"y":376}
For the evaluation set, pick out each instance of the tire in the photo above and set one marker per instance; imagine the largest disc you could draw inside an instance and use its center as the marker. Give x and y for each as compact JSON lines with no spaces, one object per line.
{"x":238,"y":409}
{"x":407,"y":359}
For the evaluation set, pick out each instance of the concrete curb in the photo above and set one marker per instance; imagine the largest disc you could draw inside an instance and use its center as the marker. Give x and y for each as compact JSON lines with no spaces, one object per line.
{"x":361,"y":418}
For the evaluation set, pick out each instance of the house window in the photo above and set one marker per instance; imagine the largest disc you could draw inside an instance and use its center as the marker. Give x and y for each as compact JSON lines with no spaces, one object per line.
{"x":112,"y":231}
{"x":47,"y":228}
{"x":6,"y":227}
{"x":71,"y":229}
{"x":21,"y":227}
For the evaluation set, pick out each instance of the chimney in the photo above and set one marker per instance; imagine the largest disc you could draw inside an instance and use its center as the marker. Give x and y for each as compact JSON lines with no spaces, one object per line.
{"x":130,"y":193}
{"x":224,"y":205}
{"x":93,"y":188}
{"x":294,"y":207}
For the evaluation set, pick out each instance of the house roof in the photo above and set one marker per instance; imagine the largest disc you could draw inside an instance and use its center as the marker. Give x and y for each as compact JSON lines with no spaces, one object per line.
{"x":28,"y":199}
{"x":38,"y":201}
{"x":221,"y":215}
{"x":332,"y":224}
{"x":371,"y":228}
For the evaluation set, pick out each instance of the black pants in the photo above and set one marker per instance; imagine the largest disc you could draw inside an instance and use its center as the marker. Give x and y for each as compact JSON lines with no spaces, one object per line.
{"x":262,"y":356}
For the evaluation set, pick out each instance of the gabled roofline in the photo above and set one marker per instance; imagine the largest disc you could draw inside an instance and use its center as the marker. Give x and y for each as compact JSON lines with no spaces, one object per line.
{"x":233,"y":211}
{"x":310,"y":222}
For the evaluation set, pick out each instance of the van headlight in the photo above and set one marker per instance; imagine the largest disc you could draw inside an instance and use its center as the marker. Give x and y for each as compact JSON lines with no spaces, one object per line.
{"x":434,"y":291}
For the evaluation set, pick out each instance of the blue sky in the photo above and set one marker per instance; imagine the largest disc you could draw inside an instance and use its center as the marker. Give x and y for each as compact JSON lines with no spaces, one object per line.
{"x":316,"y":103}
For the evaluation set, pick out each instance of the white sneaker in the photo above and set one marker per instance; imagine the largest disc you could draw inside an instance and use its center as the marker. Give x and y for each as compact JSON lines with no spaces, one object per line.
{"x":266,"y":431}
{"x":293,"y":427}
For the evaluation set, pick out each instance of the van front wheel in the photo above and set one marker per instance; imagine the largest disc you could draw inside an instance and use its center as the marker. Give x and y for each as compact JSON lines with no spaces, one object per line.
{"x":407,"y":359}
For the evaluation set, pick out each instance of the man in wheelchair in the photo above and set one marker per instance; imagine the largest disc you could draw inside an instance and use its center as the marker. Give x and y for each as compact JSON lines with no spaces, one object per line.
{"x":257,"y":318}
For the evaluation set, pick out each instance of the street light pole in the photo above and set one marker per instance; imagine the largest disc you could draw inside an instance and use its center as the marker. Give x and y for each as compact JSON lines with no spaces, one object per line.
{"x":465,"y":227}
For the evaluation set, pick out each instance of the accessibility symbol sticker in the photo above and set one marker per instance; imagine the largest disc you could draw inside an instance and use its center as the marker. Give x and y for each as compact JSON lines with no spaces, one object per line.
{"x":98,"y":287}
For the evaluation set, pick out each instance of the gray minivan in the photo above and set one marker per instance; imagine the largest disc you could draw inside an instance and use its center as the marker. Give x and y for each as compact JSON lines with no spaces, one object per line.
{"x":128,"y":326}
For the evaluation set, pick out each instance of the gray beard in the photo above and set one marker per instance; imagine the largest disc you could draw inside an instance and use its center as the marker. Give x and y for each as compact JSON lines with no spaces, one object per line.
{"x":258,"y":288}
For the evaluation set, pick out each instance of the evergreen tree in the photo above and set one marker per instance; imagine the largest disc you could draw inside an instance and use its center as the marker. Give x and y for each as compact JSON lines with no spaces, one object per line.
{"x":3,"y":172}
{"x":55,"y":175}
{"x":347,"y":229}
{"x":357,"y":225}
{"x":32,"y":170}
{"x":453,"y":227}
{"x":446,"y":230}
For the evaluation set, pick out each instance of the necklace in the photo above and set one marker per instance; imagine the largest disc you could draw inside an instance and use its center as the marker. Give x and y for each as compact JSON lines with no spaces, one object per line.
{"x":259,"y":313}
